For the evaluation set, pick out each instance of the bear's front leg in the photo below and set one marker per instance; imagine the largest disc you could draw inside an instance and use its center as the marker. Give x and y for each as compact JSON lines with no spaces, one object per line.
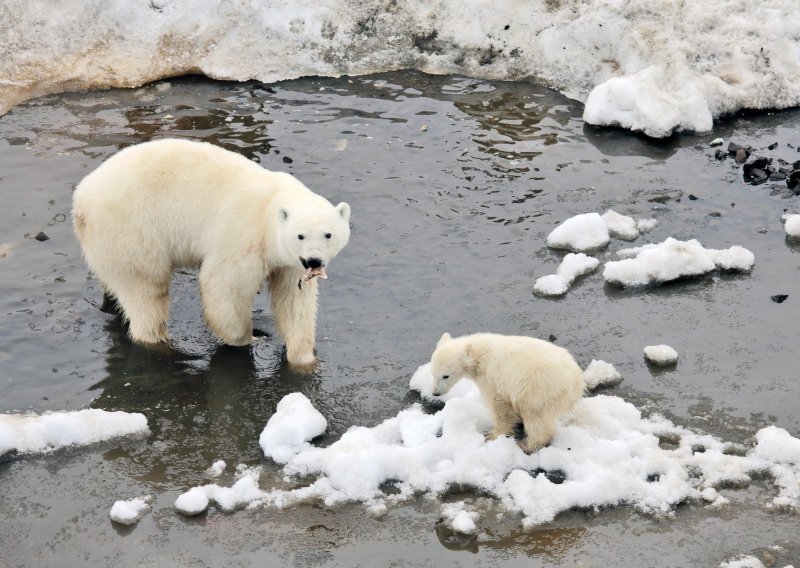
{"x":503,"y":416}
{"x":228,"y":287}
{"x":294,"y":307}
{"x":539,"y":430}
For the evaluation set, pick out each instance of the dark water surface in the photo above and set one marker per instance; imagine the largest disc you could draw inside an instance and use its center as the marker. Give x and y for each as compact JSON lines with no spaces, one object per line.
{"x":454,"y":184}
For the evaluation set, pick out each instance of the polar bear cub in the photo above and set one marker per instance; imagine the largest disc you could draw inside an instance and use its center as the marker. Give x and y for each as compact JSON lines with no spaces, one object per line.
{"x":168,"y":204}
{"x":521,"y":379}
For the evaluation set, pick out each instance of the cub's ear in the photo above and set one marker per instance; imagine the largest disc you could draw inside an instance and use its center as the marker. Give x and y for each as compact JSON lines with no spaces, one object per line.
{"x":344,"y":210}
{"x":471,"y":360}
{"x":443,"y":339}
{"x":283,"y":214}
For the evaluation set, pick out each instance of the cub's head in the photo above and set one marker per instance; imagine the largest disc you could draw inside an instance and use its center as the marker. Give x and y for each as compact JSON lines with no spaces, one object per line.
{"x":451,"y":361}
{"x":313,"y":234}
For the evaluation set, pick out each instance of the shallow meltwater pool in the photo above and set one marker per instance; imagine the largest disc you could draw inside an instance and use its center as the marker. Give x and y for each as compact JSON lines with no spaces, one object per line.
{"x":454,"y":185}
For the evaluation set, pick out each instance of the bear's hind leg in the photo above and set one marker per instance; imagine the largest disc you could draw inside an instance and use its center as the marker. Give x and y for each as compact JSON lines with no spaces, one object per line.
{"x":144,"y":305}
{"x":539,"y":431}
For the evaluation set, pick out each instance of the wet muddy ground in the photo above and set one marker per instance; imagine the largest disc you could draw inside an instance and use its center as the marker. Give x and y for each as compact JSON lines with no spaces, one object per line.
{"x":454,"y":184}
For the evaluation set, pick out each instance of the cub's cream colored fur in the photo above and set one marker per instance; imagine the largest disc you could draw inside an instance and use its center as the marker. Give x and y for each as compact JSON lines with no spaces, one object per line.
{"x":169,"y":204}
{"x":521,"y":379}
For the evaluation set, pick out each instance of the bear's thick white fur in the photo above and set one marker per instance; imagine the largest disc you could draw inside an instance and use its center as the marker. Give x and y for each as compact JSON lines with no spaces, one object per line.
{"x":169,"y":204}
{"x":521,"y":379}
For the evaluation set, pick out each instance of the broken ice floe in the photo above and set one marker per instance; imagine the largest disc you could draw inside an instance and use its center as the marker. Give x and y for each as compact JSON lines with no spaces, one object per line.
{"x":673,"y":259}
{"x":604,"y":453}
{"x":130,"y":511}
{"x":572,"y":266}
{"x":33,"y":434}
{"x":661,"y":355}
{"x":591,"y":231}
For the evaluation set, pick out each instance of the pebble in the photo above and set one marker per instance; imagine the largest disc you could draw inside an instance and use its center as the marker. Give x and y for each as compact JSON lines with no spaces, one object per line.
{"x":716,"y":142}
{"x":779,"y":298}
{"x":41,"y":237}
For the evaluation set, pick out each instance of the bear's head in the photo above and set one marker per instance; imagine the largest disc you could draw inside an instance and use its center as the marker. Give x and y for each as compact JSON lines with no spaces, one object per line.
{"x":312,"y":234}
{"x":452,"y":360}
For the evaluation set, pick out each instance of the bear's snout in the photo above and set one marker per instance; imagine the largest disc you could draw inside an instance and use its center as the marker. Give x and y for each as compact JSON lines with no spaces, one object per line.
{"x":315,"y":263}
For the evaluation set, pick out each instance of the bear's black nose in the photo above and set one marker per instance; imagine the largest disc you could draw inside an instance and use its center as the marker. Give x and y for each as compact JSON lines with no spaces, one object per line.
{"x":314,"y":263}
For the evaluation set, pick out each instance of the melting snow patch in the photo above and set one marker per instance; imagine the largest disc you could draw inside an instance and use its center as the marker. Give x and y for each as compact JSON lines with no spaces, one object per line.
{"x":599,"y":373}
{"x":620,"y":226}
{"x":646,"y":225}
{"x":673,"y":259}
{"x":792,"y":225}
{"x":742,"y":561}
{"x":216,"y":469}
{"x":130,"y":511}
{"x":459,"y":519}
{"x":31,"y":434}
{"x":289,"y":430}
{"x":661,"y":355}
{"x":603,"y":454}
{"x":572,"y":266}
{"x":580,"y":233}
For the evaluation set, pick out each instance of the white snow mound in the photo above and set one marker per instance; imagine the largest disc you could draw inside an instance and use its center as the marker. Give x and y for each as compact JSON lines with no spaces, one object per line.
{"x":293,"y":425}
{"x":33,"y":434}
{"x":792,"y":225}
{"x":599,"y":373}
{"x":661,"y":355}
{"x":582,"y":232}
{"x":459,"y":518}
{"x":604,"y":453}
{"x":572,"y":266}
{"x":130,"y":511}
{"x":673,"y":259}
{"x":621,"y":226}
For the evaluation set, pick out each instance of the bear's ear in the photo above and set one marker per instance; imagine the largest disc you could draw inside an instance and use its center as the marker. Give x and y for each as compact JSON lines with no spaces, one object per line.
{"x":283,"y":214}
{"x":444,"y":338}
{"x":344,"y":210}
{"x":471,"y":360}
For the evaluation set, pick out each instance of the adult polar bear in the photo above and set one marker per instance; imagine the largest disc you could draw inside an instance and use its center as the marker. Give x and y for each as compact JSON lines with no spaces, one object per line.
{"x":167,"y":204}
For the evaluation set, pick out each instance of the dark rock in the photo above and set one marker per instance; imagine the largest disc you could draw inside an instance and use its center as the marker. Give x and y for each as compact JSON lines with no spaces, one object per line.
{"x":777,"y":176}
{"x":793,"y":181}
{"x":773,"y":146}
{"x":692,"y":197}
{"x":287,"y":160}
{"x":699,"y":146}
{"x":720,"y":154}
{"x":779,"y":298}
{"x":754,"y":171}
{"x":733,"y":147}
{"x":552,"y":338}
{"x":758,"y":177}
{"x":740,"y":156}
{"x":715,"y":214}
{"x":786,"y":170}
{"x":666,"y":196}
{"x":796,"y":165}
{"x":41,"y":237}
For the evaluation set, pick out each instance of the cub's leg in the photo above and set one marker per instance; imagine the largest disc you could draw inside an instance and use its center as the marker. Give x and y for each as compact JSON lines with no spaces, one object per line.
{"x":227,"y":288}
{"x":539,"y":430}
{"x":504,"y":418}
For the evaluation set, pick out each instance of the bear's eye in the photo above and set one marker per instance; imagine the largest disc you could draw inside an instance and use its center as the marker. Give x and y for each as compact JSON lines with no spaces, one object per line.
{"x":328,"y":235}
{"x":445,"y":377}
{"x":301,"y":237}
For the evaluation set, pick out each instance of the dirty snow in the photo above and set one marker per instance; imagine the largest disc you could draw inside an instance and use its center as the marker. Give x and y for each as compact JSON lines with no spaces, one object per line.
{"x":605,"y":452}
{"x":661,"y":355}
{"x":572,"y":266}
{"x":673,"y":259}
{"x":290,"y":429}
{"x":653,"y":66}
{"x":33,"y":434}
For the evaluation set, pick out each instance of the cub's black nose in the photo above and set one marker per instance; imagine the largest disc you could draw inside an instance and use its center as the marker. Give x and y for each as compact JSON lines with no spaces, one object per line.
{"x":314,"y":263}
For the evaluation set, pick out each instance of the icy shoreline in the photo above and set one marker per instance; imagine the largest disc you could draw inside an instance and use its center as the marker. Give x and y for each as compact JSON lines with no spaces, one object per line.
{"x":655,"y":66}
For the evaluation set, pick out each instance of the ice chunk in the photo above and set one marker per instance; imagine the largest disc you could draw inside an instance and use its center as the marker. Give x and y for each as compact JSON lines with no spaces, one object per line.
{"x":792,"y":225}
{"x":599,"y":373}
{"x":580,"y":233}
{"x":620,"y":226}
{"x":130,"y":511}
{"x":572,"y":266}
{"x":31,"y":434}
{"x":661,"y":355}
{"x":673,"y":259}
{"x":293,"y":425}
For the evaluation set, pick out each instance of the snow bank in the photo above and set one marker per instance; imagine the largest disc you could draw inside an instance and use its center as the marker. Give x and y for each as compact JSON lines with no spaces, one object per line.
{"x":289,"y":430}
{"x":572,"y":266}
{"x":792,"y":225}
{"x":130,"y":511}
{"x":601,"y":374}
{"x":673,"y":259}
{"x":604,"y":453}
{"x":661,"y":355}
{"x":653,"y":65}
{"x":32,"y":434}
